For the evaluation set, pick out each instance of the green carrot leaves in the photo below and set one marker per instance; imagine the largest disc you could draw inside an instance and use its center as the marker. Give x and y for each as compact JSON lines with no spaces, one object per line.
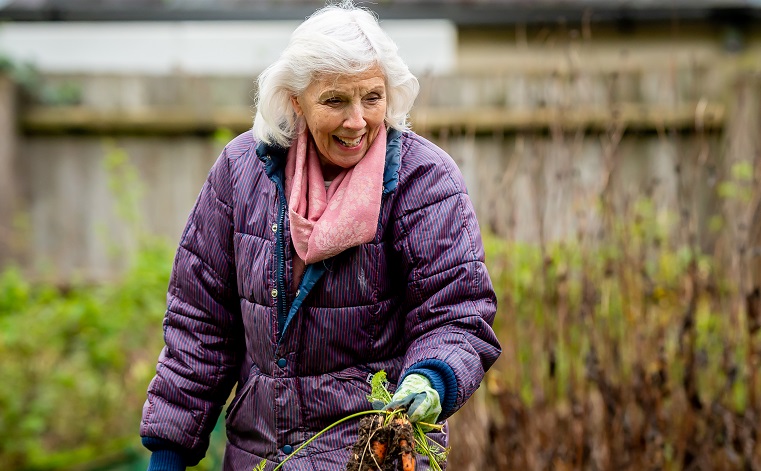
{"x":379,"y":391}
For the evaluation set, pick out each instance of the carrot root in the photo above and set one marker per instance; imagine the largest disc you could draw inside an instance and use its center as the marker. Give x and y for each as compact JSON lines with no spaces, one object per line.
{"x":379,"y":449}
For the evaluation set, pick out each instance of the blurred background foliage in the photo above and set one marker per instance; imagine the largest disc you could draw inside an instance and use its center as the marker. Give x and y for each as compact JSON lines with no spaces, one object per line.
{"x":631,"y":355}
{"x":78,"y":359}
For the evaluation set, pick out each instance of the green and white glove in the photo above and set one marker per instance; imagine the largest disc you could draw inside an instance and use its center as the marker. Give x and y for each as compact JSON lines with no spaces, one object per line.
{"x":418,"y":397}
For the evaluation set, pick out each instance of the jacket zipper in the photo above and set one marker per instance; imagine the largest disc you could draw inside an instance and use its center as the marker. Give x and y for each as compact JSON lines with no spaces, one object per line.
{"x":281,"y":307}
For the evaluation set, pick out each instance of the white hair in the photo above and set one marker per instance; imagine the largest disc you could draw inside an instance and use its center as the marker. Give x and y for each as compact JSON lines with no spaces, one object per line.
{"x":336,"y":40}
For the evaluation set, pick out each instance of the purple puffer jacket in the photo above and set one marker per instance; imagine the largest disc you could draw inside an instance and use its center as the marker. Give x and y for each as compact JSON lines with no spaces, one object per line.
{"x":416,"y":299}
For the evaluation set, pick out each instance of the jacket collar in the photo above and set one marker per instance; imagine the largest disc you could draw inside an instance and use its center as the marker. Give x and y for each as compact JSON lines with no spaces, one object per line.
{"x":273,"y":157}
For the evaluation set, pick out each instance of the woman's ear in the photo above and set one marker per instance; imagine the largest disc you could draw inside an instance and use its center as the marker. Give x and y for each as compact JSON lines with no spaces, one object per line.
{"x":296,"y":106}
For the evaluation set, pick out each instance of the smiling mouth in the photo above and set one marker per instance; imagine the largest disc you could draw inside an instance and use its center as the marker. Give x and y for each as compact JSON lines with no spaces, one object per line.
{"x":349,"y":142}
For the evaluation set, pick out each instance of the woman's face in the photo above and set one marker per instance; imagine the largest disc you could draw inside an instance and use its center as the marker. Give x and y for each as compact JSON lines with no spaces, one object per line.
{"x":344,"y":114}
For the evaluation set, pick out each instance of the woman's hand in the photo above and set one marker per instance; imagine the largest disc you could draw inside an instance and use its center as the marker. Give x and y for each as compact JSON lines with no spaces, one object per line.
{"x":418,"y":397}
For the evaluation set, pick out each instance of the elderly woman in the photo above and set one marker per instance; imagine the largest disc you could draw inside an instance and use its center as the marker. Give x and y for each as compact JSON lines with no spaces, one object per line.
{"x":327,"y":245}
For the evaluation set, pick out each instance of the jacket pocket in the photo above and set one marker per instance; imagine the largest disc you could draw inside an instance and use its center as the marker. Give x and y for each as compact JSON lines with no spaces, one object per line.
{"x":243,"y":393}
{"x":249,"y":421}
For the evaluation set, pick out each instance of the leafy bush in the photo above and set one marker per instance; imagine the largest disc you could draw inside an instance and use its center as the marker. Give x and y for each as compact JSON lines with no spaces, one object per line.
{"x":76,"y":361}
{"x":631,"y":353}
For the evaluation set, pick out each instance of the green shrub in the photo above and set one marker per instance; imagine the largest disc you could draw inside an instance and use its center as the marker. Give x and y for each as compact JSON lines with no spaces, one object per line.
{"x":635,"y":352}
{"x":76,"y":361}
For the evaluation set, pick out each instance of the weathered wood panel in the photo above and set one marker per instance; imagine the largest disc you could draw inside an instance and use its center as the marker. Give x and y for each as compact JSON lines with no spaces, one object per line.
{"x":8,"y":174}
{"x":76,"y":226}
{"x":526,"y":186}
{"x":540,"y":152}
{"x":177,"y":120}
{"x":534,"y":187}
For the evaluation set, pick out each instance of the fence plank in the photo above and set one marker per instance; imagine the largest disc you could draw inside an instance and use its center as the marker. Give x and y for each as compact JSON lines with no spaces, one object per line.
{"x":43,"y":119}
{"x":630,"y":115}
{"x":8,"y":187}
{"x":156,"y":121}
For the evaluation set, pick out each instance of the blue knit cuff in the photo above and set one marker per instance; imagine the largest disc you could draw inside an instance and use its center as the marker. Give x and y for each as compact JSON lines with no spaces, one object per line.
{"x":442,"y":379}
{"x":166,"y":460}
{"x":166,"y":456}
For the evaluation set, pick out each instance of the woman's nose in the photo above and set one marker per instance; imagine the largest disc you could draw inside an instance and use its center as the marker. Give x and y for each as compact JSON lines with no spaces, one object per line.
{"x":355,"y":118}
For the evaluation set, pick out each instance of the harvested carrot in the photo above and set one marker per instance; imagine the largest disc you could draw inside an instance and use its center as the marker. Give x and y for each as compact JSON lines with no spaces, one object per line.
{"x":371,"y":451}
{"x":379,"y":447}
{"x":408,"y":461}
{"x":407,"y":456}
{"x":404,"y":438}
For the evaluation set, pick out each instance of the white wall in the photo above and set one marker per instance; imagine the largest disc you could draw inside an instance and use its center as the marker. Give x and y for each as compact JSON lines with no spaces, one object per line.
{"x":197,"y":47}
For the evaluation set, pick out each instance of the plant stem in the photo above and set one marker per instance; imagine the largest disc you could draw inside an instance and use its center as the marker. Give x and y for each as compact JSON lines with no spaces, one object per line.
{"x":432,"y":426}
{"x":365,"y":412}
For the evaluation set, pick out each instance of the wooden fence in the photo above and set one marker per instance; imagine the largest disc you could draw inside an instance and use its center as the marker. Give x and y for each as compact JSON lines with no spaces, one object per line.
{"x":539,"y":149}
{"x":8,"y":174}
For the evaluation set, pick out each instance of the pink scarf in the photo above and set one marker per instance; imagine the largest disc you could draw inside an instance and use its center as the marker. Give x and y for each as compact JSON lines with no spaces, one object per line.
{"x":327,"y":222}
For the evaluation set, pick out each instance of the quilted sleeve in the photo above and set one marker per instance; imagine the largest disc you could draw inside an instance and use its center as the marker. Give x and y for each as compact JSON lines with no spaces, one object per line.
{"x":450,"y":303}
{"x":197,"y":368}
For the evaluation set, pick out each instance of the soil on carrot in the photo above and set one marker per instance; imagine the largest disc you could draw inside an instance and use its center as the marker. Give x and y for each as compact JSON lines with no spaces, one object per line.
{"x":383,"y":447}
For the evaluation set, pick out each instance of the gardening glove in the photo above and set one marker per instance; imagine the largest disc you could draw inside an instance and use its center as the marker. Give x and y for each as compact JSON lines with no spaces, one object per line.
{"x":418,"y":397}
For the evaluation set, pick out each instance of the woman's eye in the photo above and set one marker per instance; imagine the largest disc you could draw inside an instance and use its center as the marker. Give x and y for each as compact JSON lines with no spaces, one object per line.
{"x":333,"y":101}
{"x":372,"y":99}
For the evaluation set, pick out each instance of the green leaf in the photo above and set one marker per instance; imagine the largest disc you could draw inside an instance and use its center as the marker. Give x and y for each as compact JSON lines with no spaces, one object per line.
{"x":742,"y":171}
{"x":727,"y":190}
{"x":716,"y":223}
{"x":379,"y":391}
{"x":222,"y":136}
